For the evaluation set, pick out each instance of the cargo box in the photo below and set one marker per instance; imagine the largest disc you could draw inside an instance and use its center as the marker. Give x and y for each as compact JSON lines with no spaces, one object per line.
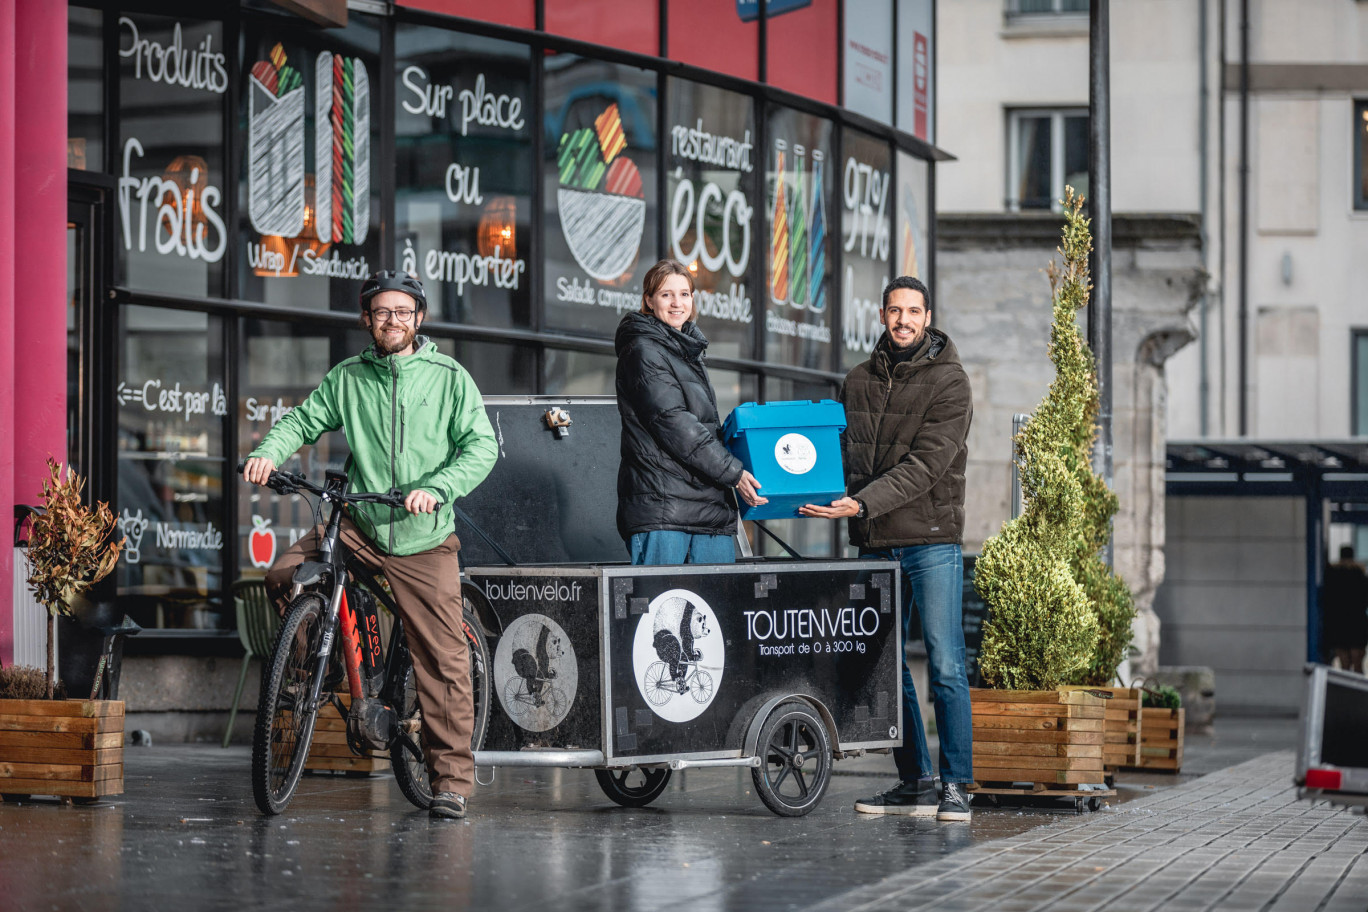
{"x":793,"y":449}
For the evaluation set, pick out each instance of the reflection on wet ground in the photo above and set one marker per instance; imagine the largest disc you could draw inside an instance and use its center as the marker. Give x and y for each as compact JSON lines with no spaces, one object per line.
{"x":187,"y":835}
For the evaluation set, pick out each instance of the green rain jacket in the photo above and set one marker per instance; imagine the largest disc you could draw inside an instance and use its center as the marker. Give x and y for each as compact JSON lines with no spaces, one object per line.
{"x":413,"y":423}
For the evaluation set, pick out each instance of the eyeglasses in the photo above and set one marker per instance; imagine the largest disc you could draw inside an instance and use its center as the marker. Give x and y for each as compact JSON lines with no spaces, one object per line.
{"x":382,"y":315}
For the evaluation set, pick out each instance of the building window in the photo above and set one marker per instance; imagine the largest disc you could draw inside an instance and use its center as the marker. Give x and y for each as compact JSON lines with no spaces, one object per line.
{"x":1045,"y":7}
{"x":1046,"y":150}
{"x":1360,"y":389}
{"x":1361,"y":155}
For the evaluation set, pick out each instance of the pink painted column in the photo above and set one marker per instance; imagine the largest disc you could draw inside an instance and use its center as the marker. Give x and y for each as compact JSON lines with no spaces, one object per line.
{"x":33,"y":279}
{"x":7,"y":568}
{"x":40,"y":104}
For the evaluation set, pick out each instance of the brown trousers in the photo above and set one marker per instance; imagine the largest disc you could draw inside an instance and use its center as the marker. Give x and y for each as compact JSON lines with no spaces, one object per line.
{"x":427,"y":588}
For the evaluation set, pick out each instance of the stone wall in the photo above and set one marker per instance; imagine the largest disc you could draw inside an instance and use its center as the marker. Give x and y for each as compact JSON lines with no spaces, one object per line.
{"x":994,"y":301}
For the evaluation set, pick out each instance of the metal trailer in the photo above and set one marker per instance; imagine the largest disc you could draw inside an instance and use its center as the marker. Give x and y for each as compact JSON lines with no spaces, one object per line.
{"x":1332,"y":749}
{"x":782,"y":666}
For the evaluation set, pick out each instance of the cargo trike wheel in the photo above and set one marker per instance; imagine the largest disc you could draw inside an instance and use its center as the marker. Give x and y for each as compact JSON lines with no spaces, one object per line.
{"x":634,"y":787}
{"x":795,"y":760}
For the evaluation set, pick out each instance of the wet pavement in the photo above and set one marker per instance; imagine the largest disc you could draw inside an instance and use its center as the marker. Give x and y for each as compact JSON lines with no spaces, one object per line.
{"x":186,"y":834}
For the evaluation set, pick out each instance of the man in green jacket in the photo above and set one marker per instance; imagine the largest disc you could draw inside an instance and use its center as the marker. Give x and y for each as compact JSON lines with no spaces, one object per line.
{"x":905,"y":446}
{"x":415,"y":421}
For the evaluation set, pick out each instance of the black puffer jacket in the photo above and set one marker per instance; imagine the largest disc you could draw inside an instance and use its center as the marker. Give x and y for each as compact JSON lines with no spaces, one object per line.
{"x":675,"y":473}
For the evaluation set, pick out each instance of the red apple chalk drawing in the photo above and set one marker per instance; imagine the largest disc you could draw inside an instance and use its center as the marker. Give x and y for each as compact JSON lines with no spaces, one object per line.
{"x":262,"y":544}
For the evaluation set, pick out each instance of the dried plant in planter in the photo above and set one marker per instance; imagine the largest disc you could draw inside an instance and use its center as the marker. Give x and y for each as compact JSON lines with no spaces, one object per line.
{"x":22,"y":682}
{"x":70,"y":549}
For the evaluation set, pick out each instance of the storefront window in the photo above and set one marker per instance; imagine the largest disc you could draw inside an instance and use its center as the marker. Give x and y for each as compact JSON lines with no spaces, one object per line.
{"x":728,"y":43}
{"x":632,"y":25}
{"x":309,"y":192}
{"x":575,"y":373}
{"x":280,"y":364}
{"x":172,"y":404}
{"x":799,"y":179}
{"x":732,"y":389}
{"x":599,"y":229}
{"x":866,"y":220}
{"x":912,"y":241}
{"x":916,"y":74}
{"x":867,"y":59}
{"x":173,"y":80}
{"x":713,"y":192}
{"x":85,"y":89}
{"x":463,"y":173}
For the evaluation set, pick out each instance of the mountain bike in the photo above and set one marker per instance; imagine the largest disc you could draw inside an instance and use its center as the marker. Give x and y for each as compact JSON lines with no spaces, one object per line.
{"x":336,"y":598}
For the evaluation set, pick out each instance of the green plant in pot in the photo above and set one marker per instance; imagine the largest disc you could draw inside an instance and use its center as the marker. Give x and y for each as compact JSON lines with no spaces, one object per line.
{"x":1042,"y":630}
{"x":71,"y":547}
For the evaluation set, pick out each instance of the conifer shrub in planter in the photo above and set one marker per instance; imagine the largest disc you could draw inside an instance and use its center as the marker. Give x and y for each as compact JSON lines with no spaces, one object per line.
{"x":51,"y":746}
{"x":1058,"y":615}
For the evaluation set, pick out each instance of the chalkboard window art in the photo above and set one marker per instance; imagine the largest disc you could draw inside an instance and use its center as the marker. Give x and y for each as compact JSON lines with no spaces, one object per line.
{"x":536,"y":674}
{"x":601,"y":198}
{"x":342,"y":146}
{"x":276,"y":178}
{"x":275,"y":146}
{"x":678,"y":655}
{"x":798,"y":226}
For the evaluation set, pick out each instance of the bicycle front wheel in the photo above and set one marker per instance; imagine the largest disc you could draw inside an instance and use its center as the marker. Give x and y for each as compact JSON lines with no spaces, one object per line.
{"x":285,"y":721}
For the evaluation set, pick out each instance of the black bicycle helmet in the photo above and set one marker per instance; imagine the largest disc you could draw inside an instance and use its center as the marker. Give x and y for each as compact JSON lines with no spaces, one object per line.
{"x":391,"y":280}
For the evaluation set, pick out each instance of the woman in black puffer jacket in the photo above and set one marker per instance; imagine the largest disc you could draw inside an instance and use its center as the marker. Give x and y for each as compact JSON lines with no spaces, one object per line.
{"x":674,"y":506}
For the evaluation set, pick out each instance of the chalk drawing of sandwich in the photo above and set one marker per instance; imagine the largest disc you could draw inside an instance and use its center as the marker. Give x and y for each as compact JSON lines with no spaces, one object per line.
{"x":275,"y":146}
{"x":342,"y":147}
{"x":602,"y":205}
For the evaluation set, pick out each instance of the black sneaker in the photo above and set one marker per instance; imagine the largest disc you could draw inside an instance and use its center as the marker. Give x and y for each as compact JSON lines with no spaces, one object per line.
{"x":954,"y":804}
{"x":913,"y":798}
{"x":448,"y":805}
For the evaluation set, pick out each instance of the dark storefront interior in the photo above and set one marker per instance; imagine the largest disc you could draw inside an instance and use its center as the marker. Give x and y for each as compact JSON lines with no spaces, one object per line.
{"x":236,"y":173}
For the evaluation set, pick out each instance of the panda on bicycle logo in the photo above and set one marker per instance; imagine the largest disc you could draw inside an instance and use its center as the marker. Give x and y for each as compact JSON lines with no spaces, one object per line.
{"x":678,"y":654}
{"x":535,"y":672}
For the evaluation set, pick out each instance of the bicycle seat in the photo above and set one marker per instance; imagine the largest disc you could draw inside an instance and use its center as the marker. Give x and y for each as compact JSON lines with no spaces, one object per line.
{"x":126,"y":627}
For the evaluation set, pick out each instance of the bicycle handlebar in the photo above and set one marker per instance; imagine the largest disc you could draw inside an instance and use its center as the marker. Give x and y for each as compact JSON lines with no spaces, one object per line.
{"x":283,"y":482}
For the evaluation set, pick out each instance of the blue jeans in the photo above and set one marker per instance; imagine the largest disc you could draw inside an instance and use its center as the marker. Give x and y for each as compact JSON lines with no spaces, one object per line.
{"x":933,"y":576}
{"x":666,"y":547}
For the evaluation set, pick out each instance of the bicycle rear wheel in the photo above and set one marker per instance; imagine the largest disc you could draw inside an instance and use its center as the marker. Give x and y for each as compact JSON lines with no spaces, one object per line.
{"x":410,"y":772}
{"x":284,"y":723}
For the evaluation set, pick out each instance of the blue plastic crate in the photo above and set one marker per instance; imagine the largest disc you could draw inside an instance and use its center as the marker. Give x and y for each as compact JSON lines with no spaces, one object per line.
{"x":794,"y":451}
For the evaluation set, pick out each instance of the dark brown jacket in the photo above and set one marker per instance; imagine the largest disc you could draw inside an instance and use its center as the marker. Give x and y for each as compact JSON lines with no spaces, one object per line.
{"x":905,"y":445}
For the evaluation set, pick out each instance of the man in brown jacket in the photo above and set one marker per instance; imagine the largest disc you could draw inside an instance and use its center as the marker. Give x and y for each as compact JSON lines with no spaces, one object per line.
{"x":908,"y":410}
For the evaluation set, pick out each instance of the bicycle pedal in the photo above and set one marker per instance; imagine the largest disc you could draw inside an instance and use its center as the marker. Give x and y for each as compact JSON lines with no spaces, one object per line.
{"x":412,"y":725}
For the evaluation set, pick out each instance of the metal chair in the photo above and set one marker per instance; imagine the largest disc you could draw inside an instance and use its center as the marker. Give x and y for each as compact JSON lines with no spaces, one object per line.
{"x":257,"y":623}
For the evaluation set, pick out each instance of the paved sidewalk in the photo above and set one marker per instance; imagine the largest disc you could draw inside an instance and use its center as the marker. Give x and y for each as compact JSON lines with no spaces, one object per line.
{"x":1235,"y":840}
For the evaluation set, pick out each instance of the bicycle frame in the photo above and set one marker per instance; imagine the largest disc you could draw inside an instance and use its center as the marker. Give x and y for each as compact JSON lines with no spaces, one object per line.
{"x":370,"y":675}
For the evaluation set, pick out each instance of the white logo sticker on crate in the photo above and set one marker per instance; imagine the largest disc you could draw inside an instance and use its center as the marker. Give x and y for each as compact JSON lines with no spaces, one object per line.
{"x":795,"y":454}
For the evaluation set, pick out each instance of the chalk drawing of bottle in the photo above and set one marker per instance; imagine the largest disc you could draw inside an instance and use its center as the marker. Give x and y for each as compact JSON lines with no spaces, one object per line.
{"x":275,"y":146}
{"x":779,"y":231}
{"x":341,"y":148}
{"x":817,"y":235}
{"x":798,"y":221}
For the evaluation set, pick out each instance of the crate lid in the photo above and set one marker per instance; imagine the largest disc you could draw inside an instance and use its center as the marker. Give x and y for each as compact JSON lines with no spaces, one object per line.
{"x":793,"y":414}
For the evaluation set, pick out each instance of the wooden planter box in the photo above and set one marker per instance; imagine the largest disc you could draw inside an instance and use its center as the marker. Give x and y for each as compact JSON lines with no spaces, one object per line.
{"x":1051,"y":738}
{"x":1125,"y":725}
{"x":70,"y":748}
{"x":330,"y":752}
{"x":1161,"y":743}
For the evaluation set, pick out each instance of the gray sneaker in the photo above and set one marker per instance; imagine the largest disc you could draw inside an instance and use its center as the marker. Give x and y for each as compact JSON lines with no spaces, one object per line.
{"x":954,"y":804}
{"x":448,"y":805}
{"x":913,"y":798}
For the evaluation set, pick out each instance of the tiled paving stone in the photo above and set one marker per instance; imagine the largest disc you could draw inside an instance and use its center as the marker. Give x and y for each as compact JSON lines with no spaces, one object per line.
{"x":1238,"y":839}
